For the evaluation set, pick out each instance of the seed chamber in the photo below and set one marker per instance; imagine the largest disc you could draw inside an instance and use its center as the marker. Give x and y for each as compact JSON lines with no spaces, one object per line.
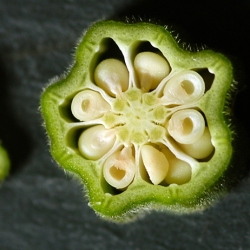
{"x":139,"y":117}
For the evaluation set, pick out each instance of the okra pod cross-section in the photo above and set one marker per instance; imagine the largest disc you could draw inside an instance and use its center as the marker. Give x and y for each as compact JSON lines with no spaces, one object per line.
{"x":141,"y":121}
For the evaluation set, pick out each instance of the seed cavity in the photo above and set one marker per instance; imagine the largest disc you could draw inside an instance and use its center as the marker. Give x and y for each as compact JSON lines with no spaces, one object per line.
{"x":155,"y":162}
{"x":179,"y":171}
{"x":119,"y":168}
{"x":112,"y":76}
{"x":88,"y":105}
{"x":151,"y":69}
{"x":184,"y":88}
{"x":186,"y":126}
{"x":200,"y":149}
{"x":96,"y":141}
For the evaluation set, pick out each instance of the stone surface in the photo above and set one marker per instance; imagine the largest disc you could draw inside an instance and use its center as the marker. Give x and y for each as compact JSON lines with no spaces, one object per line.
{"x":40,"y":207}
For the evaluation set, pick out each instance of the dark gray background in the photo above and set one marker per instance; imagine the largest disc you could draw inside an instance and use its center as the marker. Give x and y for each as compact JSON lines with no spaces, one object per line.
{"x":40,"y":207}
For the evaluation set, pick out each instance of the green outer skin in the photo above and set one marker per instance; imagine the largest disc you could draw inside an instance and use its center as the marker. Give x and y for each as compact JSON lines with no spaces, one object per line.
{"x":4,"y":163}
{"x":142,"y":196}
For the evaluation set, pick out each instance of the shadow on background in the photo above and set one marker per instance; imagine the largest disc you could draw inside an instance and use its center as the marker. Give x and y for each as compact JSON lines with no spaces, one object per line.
{"x":12,"y":135}
{"x":222,"y":26}
{"x":218,"y":24}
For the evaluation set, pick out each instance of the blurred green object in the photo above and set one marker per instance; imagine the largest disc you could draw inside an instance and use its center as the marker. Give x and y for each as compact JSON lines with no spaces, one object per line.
{"x":4,"y":163}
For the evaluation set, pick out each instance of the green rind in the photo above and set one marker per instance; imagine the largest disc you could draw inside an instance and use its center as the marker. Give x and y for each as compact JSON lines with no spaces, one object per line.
{"x":4,"y":163}
{"x":196,"y":194}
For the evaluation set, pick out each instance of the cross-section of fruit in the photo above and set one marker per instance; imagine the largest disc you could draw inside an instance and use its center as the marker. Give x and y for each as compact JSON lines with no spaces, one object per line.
{"x":141,"y":121}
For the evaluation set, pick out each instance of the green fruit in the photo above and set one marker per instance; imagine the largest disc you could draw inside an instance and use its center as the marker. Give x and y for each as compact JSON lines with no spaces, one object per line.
{"x":142,"y":122}
{"x":4,"y":163}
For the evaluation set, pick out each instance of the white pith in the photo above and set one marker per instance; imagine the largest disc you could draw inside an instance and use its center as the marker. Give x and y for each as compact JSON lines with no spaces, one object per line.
{"x":144,"y":127}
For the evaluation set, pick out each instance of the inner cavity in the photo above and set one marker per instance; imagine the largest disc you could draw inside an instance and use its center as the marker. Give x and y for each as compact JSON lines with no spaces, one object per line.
{"x":187,"y":126}
{"x":85,"y":105}
{"x":188,"y":87}
{"x":117,"y":173}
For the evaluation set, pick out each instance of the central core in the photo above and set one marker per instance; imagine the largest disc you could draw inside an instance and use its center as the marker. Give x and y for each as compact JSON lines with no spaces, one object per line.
{"x":137,"y":117}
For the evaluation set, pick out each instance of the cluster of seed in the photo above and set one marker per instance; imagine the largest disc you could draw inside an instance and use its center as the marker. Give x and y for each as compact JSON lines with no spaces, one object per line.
{"x":143,"y":123}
